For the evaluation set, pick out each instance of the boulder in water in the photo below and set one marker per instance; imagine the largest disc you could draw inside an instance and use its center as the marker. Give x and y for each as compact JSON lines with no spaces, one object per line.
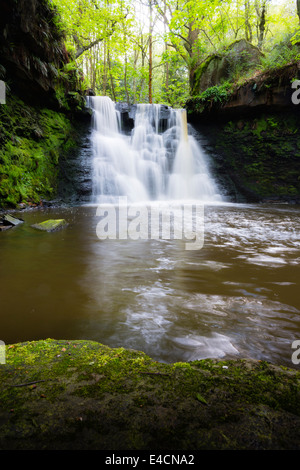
{"x":51,"y":225}
{"x":9,"y":221}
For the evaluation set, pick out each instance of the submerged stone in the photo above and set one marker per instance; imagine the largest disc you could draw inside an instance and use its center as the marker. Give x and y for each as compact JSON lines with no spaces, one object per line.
{"x":51,"y":225}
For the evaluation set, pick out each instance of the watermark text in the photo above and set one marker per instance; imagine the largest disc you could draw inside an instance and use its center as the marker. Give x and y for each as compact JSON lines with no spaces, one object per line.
{"x":152,"y":222}
{"x":296,"y":353}
{"x":2,"y":353}
{"x":296,"y":93}
{"x":2,"y":92}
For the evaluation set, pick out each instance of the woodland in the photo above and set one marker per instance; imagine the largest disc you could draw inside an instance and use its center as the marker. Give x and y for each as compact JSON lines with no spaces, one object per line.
{"x":149,"y":50}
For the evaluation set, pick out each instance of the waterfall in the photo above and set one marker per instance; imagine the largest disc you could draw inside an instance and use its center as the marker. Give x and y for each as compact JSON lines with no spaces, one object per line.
{"x":155,"y":162}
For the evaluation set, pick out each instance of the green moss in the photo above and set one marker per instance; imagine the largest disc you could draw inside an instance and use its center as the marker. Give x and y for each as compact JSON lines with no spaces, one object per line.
{"x":51,"y":225}
{"x":84,"y":395}
{"x":32,"y":140}
{"x":262,"y":152}
{"x":201,"y":69}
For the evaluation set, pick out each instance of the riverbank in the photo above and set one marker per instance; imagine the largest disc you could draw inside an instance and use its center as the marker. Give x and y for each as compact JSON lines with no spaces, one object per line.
{"x":68,"y":395}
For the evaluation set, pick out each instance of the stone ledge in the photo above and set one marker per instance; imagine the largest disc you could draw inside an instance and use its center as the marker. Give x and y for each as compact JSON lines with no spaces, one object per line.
{"x":72,"y":395}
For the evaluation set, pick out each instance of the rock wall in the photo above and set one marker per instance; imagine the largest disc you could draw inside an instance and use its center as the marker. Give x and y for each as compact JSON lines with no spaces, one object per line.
{"x":253,"y":137}
{"x":269,"y":90}
{"x":32,"y":49}
{"x":45,"y":108}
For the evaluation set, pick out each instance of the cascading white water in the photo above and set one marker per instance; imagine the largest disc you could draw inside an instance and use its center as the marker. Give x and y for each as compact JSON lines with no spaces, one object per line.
{"x":149,"y":164}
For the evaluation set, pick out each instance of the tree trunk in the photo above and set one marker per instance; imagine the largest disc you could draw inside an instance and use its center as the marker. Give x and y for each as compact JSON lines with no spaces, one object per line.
{"x":136,"y":56}
{"x":111,"y":77}
{"x":193,"y":53}
{"x":261,"y":23}
{"x":167,"y":68}
{"x":248,"y":29}
{"x":125,"y":80}
{"x":150,"y":52}
{"x":104,"y":78}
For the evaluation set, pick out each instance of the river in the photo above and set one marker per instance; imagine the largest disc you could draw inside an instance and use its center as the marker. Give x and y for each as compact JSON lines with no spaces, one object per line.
{"x":237,"y":296}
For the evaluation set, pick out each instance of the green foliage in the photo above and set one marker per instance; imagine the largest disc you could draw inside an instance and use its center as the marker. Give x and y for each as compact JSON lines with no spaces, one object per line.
{"x":296,"y":37}
{"x":70,"y":87}
{"x":281,"y":54}
{"x":212,"y":96}
{"x":110,"y":42}
{"x":216,"y":94}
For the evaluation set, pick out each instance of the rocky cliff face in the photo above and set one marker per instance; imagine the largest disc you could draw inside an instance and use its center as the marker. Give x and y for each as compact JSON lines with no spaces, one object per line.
{"x":31,"y":49}
{"x":268,"y":91}
{"x":264,"y":92}
{"x":38,"y":123}
{"x":253,"y":137}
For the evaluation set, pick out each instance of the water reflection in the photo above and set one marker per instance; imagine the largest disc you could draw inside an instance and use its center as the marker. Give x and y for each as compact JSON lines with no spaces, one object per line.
{"x":238,"y":296}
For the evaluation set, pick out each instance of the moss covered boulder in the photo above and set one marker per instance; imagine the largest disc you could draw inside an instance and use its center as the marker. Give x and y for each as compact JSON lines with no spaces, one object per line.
{"x":84,"y":395}
{"x":51,"y":225}
{"x":237,"y":59}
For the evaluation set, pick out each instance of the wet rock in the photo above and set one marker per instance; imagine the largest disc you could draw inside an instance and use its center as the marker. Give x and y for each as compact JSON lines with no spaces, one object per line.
{"x":51,"y":225}
{"x":11,"y":220}
{"x":90,"y":92}
{"x":21,"y":206}
{"x":8,"y":221}
{"x":4,"y":227}
{"x":27,"y":49}
{"x":128,"y":114}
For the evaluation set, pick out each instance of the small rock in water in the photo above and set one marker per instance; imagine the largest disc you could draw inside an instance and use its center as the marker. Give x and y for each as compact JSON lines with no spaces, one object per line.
{"x":51,"y":225}
{"x":8,"y":221}
{"x":4,"y":227}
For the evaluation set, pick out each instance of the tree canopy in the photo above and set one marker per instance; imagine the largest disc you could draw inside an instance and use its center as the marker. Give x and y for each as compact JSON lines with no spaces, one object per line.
{"x":149,"y":50}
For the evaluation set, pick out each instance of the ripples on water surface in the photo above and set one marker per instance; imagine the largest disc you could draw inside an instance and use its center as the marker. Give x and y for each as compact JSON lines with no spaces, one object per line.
{"x":238,"y":296}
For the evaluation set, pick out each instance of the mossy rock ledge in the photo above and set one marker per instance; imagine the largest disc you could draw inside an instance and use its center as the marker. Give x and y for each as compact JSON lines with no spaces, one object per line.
{"x":68,"y":395}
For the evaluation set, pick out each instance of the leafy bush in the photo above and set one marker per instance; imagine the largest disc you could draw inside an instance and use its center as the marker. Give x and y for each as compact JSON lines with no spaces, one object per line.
{"x":281,"y":54}
{"x":216,"y":94}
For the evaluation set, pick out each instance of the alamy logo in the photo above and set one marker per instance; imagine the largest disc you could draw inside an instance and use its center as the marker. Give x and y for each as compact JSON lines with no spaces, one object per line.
{"x":157,"y":221}
{"x":296,"y":353}
{"x":296,"y":94}
{"x":2,"y":353}
{"x":2,"y":92}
